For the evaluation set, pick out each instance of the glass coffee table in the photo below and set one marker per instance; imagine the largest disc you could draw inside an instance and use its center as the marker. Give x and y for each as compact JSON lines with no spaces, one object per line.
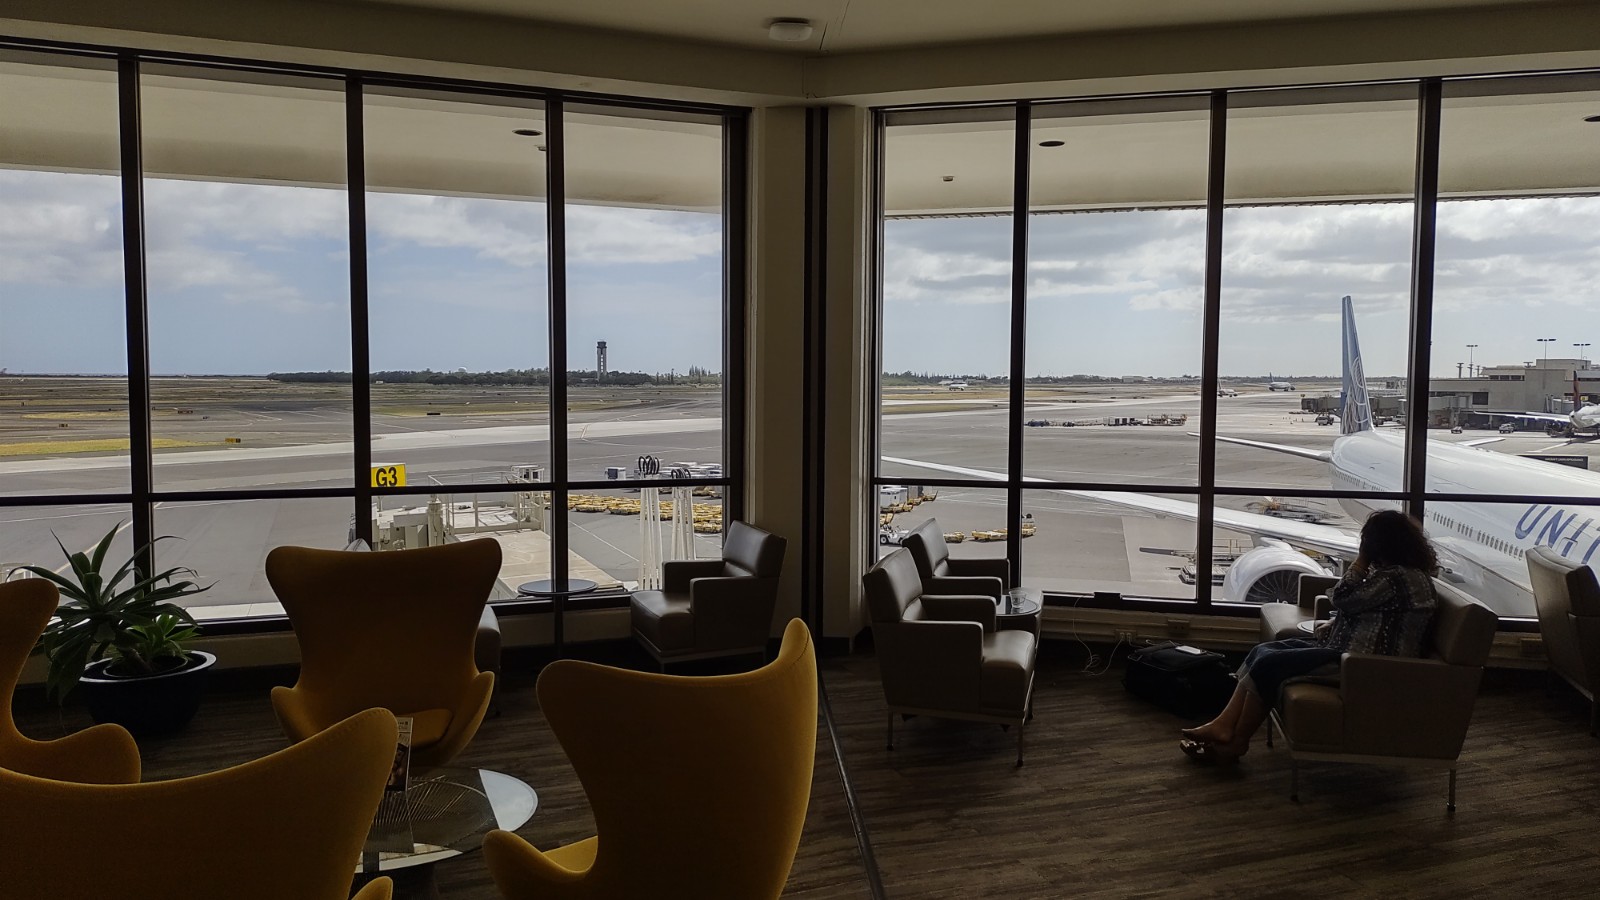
{"x":444,"y":813}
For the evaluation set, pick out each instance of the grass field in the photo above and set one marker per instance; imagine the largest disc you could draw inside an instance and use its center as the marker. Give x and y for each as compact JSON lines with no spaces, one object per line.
{"x":92,"y":445}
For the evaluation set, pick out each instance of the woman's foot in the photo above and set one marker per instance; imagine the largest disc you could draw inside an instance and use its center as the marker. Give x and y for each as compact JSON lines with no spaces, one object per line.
{"x":1212,"y":754}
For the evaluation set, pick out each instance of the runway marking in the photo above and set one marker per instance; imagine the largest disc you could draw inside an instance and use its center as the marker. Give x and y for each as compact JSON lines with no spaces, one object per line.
{"x":120,"y":529}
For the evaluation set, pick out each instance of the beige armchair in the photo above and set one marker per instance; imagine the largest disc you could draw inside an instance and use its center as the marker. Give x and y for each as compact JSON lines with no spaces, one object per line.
{"x":942,"y":575}
{"x":713,"y":607}
{"x":1389,"y":710}
{"x":941,"y":656}
{"x":1568,"y":599}
{"x":1280,"y":621}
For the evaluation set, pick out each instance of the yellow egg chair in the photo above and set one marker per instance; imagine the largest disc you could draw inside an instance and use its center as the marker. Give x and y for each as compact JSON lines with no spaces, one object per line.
{"x":287,"y":826}
{"x":699,"y":785}
{"x":102,"y":754}
{"x":394,"y":630}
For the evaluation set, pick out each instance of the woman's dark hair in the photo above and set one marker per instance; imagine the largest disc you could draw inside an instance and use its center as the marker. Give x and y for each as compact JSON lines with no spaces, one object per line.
{"x":1392,"y":538}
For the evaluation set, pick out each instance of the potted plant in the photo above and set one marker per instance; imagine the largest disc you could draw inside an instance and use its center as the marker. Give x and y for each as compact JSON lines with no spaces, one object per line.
{"x":122,"y":639}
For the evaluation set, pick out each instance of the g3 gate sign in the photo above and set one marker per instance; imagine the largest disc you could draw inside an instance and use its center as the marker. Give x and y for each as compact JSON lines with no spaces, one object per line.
{"x":388,"y":476}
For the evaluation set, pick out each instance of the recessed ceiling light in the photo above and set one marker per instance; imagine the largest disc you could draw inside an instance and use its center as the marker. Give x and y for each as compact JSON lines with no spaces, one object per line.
{"x":1595,"y":119}
{"x":789,"y":30}
{"x":527,"y":132}
{"x":949,"y":178}
{"x":1052,"y":143}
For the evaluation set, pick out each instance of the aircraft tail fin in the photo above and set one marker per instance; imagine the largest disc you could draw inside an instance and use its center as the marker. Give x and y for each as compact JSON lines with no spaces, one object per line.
{"x":1357,"y":413}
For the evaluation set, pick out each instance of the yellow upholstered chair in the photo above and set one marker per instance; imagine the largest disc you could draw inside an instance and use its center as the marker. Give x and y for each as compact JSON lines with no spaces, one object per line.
{"x":102,"y":754}
{"x":393,"y":630}
{"x":699,"y":785}
{"x":289,"y":825}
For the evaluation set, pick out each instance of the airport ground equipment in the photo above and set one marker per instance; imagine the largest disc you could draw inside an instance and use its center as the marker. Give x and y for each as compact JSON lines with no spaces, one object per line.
{"x":699,"y":786}
{"x":1568,"y":599}
{"x":1390,"y":710}
{"x":394,"y":630}
{"x":100,"y":754}
{"x":943,"y":656}
{"x":289,"y":825}
{"x":713,"y":607}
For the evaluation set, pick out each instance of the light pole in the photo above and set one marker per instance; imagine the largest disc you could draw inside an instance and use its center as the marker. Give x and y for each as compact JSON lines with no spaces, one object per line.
{"x":1546,"y":350}
{"x":1583,"y":357}
{"x":1470,"y":348}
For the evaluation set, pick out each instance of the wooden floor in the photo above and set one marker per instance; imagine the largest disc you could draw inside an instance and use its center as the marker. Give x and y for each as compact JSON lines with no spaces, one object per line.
{"x":1105,"y":807}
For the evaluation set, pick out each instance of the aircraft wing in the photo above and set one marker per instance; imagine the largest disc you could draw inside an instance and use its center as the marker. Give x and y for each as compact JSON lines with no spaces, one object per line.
{"x":1322,"y":538}
{"x":1306,"y":452}
{"x":1479,"y":442}
{"x":1539,"y":417}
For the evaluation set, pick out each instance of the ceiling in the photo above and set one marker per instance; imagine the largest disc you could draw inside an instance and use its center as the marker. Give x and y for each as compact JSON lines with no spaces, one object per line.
{"x":844,"y":26}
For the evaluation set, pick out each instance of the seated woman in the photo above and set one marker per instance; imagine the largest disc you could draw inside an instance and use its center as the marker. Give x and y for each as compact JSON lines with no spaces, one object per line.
{"x":1382,"y":605}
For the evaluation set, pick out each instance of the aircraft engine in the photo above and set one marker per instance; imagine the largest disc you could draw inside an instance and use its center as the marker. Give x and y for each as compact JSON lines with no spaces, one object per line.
{"x":1269,"y":573}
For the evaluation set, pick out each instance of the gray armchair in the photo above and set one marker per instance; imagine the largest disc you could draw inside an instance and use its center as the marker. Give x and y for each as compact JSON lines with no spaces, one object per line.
{"x":1282,"y":620}
{"x":1389,"y":710}
{"x":941,"y":655}
{"x":713,"y":607}
{"x":942,"y":575}
{"x":1568,"y":599}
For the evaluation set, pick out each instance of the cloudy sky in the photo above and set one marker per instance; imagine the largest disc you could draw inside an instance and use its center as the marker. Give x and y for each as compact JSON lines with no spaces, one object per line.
{"x":250,"y":279}
{"x":1119,"y":293}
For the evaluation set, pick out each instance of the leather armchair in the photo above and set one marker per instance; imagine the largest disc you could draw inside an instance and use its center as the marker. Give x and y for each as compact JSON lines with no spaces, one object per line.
{"x":395,"y":630}
{"x":100,"y":754}
{"x":1280,"y":621}
{"x":940,"y":655}
{"x":289,"y":825}
{"x":1389,"y":710}
{"x":713,"y":607}
{"x":1568,"y":600}
{"x":942,"y":575}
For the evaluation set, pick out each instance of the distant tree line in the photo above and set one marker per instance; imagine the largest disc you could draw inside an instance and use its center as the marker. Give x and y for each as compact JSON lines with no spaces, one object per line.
{"x":509,"y":377}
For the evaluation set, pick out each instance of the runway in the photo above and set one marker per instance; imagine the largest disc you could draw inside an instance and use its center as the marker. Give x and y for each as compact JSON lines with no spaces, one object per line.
{"x":1080,"y":545}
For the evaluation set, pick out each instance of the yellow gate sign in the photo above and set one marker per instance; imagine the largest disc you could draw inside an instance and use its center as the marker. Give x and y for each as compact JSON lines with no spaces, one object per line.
{"x":389,"y":476}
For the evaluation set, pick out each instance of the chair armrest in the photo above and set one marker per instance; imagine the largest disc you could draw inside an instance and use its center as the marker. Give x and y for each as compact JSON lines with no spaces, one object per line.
{"x":376,"y":889}
{"x":954,"y":608}
{"x":732,"y":611}
{"x":993,"y":568}
{"x":676,"y":575}
{"x":929,"y":664}
{"x":986,"y":585}
{"x":464,"y":722}
{"x":1398,"y":706}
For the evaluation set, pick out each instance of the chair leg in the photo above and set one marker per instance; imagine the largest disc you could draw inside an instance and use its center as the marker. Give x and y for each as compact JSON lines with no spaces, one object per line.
{"x":890,"y":743}
{"x":1451,"y":805}
{"x":1294,"y":780}
{"x":1021,"y":730}
{"x":1594,"y":716}
{"x":1269,"y":731}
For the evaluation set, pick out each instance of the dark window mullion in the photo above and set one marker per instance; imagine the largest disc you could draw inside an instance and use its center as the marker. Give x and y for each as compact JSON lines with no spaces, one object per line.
{"x":1211,"y":336}
{"x":556,"y":257}
{"x":1424,"y":226}
{"x":360,"y":335}
{"x":1019,"y":337}
{"x":136,"y":306}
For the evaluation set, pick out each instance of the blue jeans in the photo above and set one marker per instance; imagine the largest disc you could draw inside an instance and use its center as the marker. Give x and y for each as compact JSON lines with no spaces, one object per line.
{"x":1269,"y":665}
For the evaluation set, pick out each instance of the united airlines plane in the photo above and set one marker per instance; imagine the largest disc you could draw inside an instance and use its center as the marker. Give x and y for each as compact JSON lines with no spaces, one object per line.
{"x":1481,"y":545}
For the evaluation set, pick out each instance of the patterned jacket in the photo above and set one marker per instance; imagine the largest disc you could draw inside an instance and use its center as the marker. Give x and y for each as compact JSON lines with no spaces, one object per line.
{"x":1387,"y":612}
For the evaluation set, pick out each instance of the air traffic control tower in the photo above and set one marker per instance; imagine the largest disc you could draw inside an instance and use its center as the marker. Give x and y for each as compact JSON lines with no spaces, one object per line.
{"x":600,"y":361}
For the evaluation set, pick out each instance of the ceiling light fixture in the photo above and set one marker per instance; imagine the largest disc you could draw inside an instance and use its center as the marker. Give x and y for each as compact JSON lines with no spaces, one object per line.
{"x":527,"y":132}
{"x":949,"y":178}
{"x":789,"y":30}
{"x":1052,"y":143}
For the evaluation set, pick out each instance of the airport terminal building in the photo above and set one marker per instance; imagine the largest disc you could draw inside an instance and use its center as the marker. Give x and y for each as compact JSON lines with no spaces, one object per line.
{"x":1540,"y":386}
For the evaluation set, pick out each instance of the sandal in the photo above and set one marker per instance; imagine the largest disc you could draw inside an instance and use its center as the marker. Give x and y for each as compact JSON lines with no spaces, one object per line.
{"x":1207,"y":753}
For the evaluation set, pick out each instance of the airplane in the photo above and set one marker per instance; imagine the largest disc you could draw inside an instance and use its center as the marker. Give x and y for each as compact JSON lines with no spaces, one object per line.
{"x":1278,"y":385}
{"x":1227,"y":392}
{"x":1480,"y":545}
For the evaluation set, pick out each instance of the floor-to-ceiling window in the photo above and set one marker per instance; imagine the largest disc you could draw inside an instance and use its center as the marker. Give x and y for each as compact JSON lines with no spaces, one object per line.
{"x":362,"y":306}
{"x":1247,"y":319}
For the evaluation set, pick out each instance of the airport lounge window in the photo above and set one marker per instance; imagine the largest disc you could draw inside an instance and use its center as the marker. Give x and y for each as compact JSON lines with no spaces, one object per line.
{"x":280,"y":212}
{"x":1312,"y":196}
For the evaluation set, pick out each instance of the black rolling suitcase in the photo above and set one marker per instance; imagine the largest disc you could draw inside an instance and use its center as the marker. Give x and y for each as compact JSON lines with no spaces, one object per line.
{"x":1195,"y":685}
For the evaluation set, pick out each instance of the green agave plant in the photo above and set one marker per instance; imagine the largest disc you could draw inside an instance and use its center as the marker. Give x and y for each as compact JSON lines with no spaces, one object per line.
{"x":130,"y":617}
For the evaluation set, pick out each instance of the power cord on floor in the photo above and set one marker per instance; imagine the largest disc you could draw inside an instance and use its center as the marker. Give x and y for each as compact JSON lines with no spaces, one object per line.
{"x":1093,"y":666}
